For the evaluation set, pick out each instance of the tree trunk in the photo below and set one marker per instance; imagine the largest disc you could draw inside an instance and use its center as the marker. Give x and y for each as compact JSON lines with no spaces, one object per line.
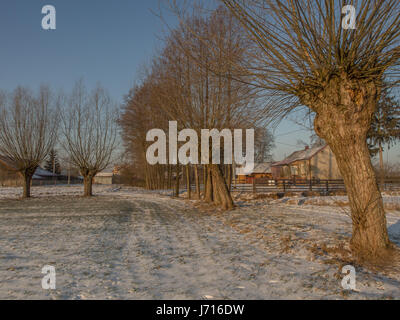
{"x":188,"y":187}
{"x":147,"y":178}
{"x":205,"y":175}
{"x":208,"y":192}
{"x":381,"y":167}
{"x":177,"y":181}
{"x":88,"y":185}
{"x":216,"y":196}
{"x":196,"y":177}
{"x":230,"y":171}
{"x":27,"y":178}
{"x":27,"y":175}
{"x":169,"y":177}
{"x":221,"y":193}
{"x":343,"y":117}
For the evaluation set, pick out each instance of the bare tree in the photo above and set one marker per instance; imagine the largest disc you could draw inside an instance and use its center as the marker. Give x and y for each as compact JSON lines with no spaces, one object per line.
{"x":264,"y":143}
{"x":89,"y":132}
{"x":306,"y":58}
{"x":28,"y":130}
{"x":385,"y":128}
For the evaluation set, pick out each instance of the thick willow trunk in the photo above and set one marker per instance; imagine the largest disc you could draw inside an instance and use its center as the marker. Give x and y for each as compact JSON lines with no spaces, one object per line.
{"x":343,"y":120}
{"x":27,"y":187}
{"x":88,"y":185}
{"x":222,"y":196}
{"x":27,"y":175}
{"x":369,"y":220}
{"x":216,"y":197}
{"x":27,"y":181}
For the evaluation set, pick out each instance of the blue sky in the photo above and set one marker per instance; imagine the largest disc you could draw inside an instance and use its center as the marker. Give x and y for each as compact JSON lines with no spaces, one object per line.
{"x":101,"y":41}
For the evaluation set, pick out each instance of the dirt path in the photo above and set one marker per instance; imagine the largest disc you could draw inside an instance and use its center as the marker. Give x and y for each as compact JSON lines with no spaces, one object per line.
{"x":134,"y":245}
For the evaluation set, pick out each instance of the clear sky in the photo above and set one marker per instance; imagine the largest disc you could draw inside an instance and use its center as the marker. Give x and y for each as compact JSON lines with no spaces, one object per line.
{"x":98,"y":40}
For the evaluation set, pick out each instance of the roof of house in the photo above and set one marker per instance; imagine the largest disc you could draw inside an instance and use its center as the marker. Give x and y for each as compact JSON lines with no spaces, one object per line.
{"x":301,"y":155}
{"x":40,"y":172}
{"x":110,"y":171}
{"x":104,"y":174}
{"x":258,"y":168}
{"x":107,"y":172}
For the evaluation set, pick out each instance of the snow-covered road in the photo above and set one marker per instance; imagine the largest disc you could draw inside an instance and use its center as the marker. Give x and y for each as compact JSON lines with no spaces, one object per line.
{"x":131,"y":244}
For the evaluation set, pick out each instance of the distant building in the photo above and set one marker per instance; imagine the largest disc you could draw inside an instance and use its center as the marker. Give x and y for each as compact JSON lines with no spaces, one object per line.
{"x":108,"y":176}
{"x":260,"y":171}
{"x":104,"y":178}
{"x":310,"y":163}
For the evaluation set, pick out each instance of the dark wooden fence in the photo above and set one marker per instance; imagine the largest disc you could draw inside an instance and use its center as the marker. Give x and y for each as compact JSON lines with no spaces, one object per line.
{"x":322,"y":186}
{"x":57,"y":182}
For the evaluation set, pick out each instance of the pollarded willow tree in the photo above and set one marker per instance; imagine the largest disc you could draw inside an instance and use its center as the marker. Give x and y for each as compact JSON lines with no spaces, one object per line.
{"x":28,"y":130}
{"x":308,"y":58}
{"x":89,"y":132}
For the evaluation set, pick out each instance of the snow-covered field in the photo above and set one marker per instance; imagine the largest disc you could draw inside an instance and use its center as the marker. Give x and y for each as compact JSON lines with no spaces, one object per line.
{"x":130,"y":244}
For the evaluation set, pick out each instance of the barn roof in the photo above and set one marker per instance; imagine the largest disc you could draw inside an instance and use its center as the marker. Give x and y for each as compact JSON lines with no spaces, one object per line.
{"x":104,"y":174}
{"x":258,"y":168}
{"x":301,"y":155}
{"x":44,"y":173}
{"x":108,"y":172}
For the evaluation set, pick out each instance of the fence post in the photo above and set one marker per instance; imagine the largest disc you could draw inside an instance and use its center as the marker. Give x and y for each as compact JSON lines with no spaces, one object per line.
{"x":327,"y":186}
{"x":254,"y":186}
{"x":310,"y":184}
{"x":284,"y":186}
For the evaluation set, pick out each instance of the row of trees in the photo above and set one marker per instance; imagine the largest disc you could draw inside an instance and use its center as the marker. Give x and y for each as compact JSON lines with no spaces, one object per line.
{"x":84,"y":124}
{"x":193,"y":81}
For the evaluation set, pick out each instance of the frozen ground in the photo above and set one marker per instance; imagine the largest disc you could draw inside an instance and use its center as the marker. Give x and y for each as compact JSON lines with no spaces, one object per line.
{"x":131,"y":244}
